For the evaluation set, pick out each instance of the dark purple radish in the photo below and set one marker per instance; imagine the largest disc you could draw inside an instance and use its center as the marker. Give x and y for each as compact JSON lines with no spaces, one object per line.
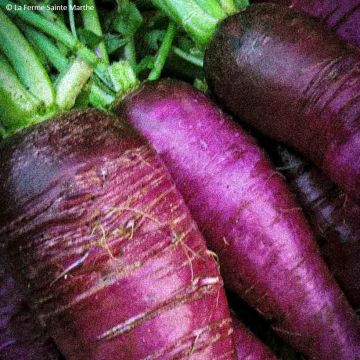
{"x":20,"y":336}
{"x":267,"y":251}
{"x":113,"y":264}
{"x":284,"y":74}
{"x":334,"y":217}
{"x":341,"y":16}
{"x":245,"y":349}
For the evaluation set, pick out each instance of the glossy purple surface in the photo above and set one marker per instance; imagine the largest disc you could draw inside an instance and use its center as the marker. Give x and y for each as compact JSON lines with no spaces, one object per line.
{"x":113,"y":263}
{"x":334,"y":217}
{"x":341,"y":16}
{"x":284,"y":74}
{"x":267,"y":252}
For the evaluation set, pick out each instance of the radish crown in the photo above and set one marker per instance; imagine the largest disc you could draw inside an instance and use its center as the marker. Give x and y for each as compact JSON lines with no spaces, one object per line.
{"x":199,"y":18}
{"x":33,"y":40}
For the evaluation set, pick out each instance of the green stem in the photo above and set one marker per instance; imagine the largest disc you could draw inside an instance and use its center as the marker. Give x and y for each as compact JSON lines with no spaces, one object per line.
{"x":188,"y":57}
{"x":39,"y":53}
{"x":201,"y":85}
{"x":72,"y":18}
{"x":100,"y":98}
{"x":163,"y":52}
{"x":124,"y":77}
{"x":129,"y":48}
{"x":16,"y":103}
{"x":194,"y":20}
{"x":51,"y":16}
{"x":53,"y":54}
{"x":57,"y":19}
{"x":60,"y":57}
{"x":71,"y":83}
{"x":25,"y":62}
{"x":54,"y":30}
{"x":130,"y":51}
{"x":241,"y":4}
{"x":64,"y":36}
{"x":212,"y":7}
{"x":229,"y":6}
{"x":3,"y":132}
{"x":92,"y":23}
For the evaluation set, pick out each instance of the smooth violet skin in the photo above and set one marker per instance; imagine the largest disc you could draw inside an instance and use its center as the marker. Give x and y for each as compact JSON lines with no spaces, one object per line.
{"x":267,"y":252}
{"x":113,"y":264}
{"x":340,"y":16}
{"x":334,"y":217}
{"x":284,"y":74}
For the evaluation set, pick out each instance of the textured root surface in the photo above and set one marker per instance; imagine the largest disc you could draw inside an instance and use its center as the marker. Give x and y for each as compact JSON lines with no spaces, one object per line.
{"x":341,"y":16}
{"x":333,"y":215}
{"x":114,"y":265}
{"x":283,"y":73}
{"x":267,"y":252}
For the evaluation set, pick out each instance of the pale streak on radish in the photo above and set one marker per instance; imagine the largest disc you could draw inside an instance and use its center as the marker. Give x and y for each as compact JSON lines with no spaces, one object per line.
{"x":74,"y":265}
{"x":130,"y":323}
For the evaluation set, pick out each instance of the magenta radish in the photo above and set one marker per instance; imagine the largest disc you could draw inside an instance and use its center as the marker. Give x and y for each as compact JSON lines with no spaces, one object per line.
{"x":153,"y":291}
{"x":267,"y":251}
{"x":284,"y":74}
{"x":341,"y":16}
{"x":332,"y":214}
{"x":245,"y":349}
{"x":113,"y":264}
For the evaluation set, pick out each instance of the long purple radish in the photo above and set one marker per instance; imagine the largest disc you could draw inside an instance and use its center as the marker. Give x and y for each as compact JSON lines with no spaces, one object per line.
{"x":284,"y":74}
{"x":245,"y":348}
{"x":341,"y":16}
{"x":334,"y":217}
{"x":267,"y":252}
{"x":113,"y":264}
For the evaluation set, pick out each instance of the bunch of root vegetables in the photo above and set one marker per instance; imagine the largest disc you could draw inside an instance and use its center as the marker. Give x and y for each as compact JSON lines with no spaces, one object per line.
{"x":157,"y":153}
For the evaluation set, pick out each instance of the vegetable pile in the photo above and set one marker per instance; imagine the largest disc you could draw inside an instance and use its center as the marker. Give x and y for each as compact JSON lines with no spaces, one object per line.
{"x":130,"y":200}
{"x":267,"y":252}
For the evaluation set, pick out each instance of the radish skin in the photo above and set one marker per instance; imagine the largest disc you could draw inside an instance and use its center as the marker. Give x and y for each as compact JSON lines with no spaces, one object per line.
{"x":341,"y":16}
{"x":113,"y":264}
{"x":296,"y":82}
{"x":333,"y":215}
{"x":20,"y":336}
{"x":267,"y":252}
{"x":245,"y":350}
